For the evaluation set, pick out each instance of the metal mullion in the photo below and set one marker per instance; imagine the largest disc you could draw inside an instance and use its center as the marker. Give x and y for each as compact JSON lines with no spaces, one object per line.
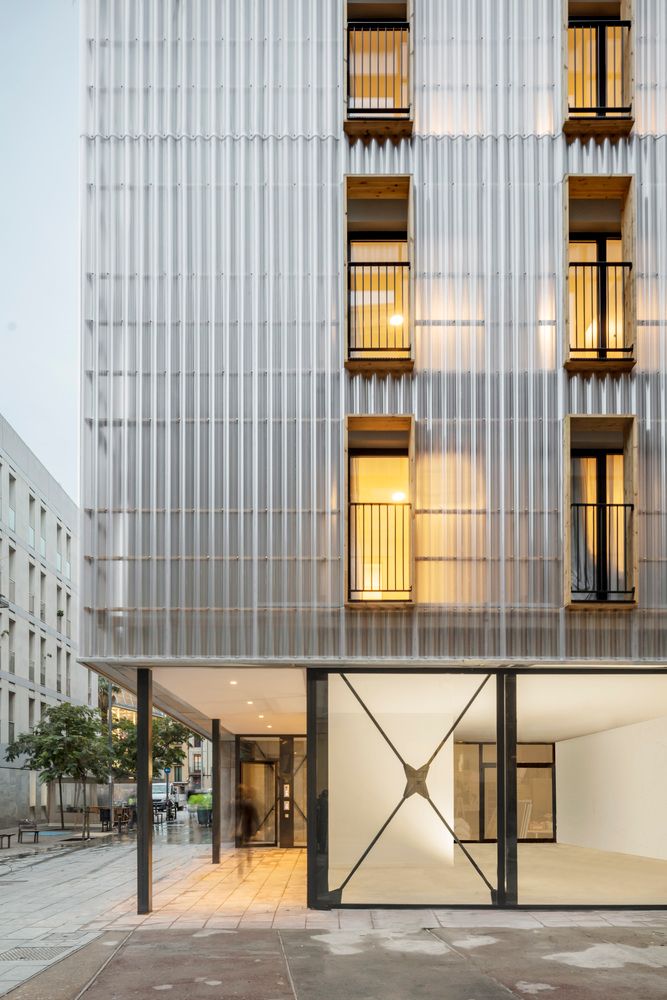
{"x":510,"y":765}
{"x":501,"y":839}
{"x":601,"y":34}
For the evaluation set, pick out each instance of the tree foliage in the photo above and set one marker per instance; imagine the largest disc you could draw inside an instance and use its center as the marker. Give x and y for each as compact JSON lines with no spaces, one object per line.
{"x":169,"y":738}
{"x":67,"y":741}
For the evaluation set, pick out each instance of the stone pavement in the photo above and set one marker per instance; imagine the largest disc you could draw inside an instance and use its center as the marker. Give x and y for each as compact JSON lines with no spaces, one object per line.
{"x":242,"y":930}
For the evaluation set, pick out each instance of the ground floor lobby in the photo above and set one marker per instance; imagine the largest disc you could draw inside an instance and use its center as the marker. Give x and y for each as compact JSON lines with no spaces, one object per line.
{"x":444,"y":787}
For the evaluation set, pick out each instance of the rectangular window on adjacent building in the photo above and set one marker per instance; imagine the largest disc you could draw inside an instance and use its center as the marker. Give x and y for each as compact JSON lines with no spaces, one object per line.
{"x":68,"y":557}
{"x":380,"y":511}
{"x":31,"y":521}
{"x":59,"y":548}
{"x":68,"y":675}
{"x":11,"y":512}
{"x":31,"y":714}
{"x":42,"y":662}
{"x":31,"y":656}
{"x":10,"y":717}
{"x":42,"y":533}
{"x":42,"y":596}
{"x":11,"y":641}
{"x":11,"y":567}
{"x":600,"y":490}
{"x":59,"y":670}
{"x":600,"y":254}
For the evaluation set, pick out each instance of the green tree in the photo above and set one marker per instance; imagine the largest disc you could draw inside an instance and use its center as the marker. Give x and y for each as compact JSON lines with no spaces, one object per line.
{"x":169,"y":741}
{"x":68,"y":741}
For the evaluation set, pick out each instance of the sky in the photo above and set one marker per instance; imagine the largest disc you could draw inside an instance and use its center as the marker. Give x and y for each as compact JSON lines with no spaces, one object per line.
{"x":39,"y":151}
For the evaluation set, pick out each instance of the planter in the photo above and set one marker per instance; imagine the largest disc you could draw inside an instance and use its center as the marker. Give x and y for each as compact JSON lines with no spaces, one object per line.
{"x":204,"y":816}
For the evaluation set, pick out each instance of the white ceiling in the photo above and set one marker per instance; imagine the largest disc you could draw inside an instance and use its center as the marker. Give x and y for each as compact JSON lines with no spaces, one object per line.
{"x":278,"y":694}
{"x":549,"y":708}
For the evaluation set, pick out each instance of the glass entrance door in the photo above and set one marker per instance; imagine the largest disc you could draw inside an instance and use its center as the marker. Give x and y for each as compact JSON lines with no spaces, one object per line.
{"x":258,"y":797}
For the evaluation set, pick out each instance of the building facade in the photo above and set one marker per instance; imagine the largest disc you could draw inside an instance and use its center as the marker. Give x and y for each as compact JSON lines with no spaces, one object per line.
{"x":39,"y":600}
{"x":374,"y":386}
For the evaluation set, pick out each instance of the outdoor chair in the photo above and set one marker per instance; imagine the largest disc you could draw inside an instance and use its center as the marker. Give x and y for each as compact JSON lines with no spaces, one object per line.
{"x":27,"y":827}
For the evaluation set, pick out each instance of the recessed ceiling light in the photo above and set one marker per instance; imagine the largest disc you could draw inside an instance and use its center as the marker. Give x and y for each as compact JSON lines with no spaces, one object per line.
{"x":250,"y":703}
{"x":233,"y":682}
{"x":269,"y":727}
{"x":261,"y":716}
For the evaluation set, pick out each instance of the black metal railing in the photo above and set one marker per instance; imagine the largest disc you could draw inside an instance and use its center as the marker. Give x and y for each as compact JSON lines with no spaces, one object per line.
{"x":378,"y":61}
{"x":598,"y":74}
{"x":379,"y":310}
{"x":602,"y":551}
{"x":598,"y":321}
{"x":379,"y":551}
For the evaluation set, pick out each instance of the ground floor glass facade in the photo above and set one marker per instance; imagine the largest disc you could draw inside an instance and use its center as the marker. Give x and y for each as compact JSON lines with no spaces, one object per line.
{"x":491,"y":789}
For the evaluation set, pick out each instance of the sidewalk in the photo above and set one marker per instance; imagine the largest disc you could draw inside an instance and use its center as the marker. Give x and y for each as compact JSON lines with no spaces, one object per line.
{"x":241,"y":929}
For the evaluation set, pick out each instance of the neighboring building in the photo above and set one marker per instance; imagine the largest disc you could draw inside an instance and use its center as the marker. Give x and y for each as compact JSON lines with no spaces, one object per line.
{"x":39,"y":598}
{"x":374,"y":346}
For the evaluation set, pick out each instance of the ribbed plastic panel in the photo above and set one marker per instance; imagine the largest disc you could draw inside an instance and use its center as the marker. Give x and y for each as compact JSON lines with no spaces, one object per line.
{"x":214,"y":392}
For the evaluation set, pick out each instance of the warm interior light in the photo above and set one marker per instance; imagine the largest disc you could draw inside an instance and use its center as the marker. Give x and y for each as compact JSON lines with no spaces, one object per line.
{"x":233,"y":682}
{"x":249,"y":703}
{"x":261,"y":716}
{"x":396,"y":320}
{"x":269,"y":727}
{"x":398,"y":497}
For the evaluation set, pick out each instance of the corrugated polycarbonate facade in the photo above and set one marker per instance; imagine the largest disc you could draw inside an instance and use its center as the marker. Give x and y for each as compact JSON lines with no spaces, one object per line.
{"x":213,"y":297}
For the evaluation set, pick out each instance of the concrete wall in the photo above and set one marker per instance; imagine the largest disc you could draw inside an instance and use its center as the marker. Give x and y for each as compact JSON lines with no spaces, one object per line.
{"x":611,"y":792}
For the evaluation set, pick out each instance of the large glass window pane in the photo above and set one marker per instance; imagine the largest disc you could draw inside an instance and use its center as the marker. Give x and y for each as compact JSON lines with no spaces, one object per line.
{"x":392,"y":804}
{"x":610,"y":736}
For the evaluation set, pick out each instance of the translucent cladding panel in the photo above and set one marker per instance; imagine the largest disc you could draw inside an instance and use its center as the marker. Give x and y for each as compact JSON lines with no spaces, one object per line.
{"x":391,"y":788}
{"x":610,"y":736}
{"x":300,"y":791}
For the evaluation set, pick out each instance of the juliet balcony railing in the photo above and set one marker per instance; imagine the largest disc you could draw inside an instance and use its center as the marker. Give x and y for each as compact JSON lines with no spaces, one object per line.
{"x":599,"y":293}
{"x":598,"y":68}
{"x":379,"y":310}
{"x":379,"y":552}
{"x":601,"y":552}
{"x":378,"y":60}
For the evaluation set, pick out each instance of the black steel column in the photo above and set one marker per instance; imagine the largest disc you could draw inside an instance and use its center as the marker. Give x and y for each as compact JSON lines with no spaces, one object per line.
{"x":216,"y":780}
{"x":511,"y":805}
{"x":144,"y":791}
{"x":500,"y":788}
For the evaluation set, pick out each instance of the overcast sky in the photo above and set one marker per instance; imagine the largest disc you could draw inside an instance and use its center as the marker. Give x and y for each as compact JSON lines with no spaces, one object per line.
{"x":39,"y":130}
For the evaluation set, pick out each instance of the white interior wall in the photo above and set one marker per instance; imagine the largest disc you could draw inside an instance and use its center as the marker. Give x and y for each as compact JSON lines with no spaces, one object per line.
{"x":366,"y":779}
{"x":611,"y":792}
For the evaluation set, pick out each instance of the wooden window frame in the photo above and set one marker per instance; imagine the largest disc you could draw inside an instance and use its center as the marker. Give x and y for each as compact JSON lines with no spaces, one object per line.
{"x":602,"y":187}
{"x":390,"y":187}
{"x":366,"y":422}
{"x":627,"y":424}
